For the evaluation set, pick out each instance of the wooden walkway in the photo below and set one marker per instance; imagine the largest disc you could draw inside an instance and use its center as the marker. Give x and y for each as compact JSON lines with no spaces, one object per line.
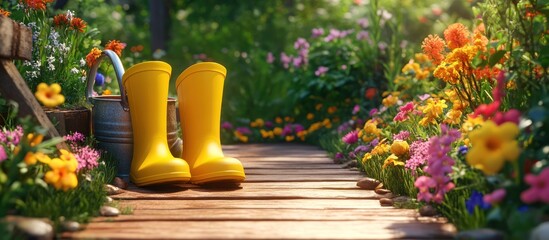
{"x":292,"y":191}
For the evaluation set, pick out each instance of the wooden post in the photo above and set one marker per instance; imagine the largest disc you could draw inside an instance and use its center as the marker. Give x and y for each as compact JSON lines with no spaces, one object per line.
{"x":16,"y":43}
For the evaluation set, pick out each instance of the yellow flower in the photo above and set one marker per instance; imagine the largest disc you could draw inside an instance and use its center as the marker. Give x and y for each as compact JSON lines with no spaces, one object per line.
{"x":421,"y":57}
{"x":434,"y":108}
{"x":453,"y":117}
{"x":278,"y":120}
{"x":380,"y":149}
{"x":31,"y":158}
{"x":241,"y":137}
{"x":389,"y":101}
{"x":277,"y":131}
{"x":49,"y":96}
{"x":327,"y":123}
{"x":310,"y":116}
{"x":266,"y":134}
{"x":315,"y":126}
{"x":366,"y":157}
{"x":302,"y":134}
{"x":492,"y":145}
{"x":400,"y":147}
{"x":318,"y":106}
{"x":471,"y":122}
{"x":392,"y":159}
{"x":370,"y":127}
{"x":34,"y":139}
{"x":289,"y":138}
{"x":257,"y":123}
{"x":288,"y":119}
{"x":107,"y":92}
{"x":66,"y":155}
{"x":62,"y":175}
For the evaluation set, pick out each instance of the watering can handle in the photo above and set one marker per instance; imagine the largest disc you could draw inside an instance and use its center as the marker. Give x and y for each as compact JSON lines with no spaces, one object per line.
{"x":118,"y":70}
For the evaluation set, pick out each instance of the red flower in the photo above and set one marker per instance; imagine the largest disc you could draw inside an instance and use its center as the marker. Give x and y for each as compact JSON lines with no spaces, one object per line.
{"x":37,"y":4}
{"x":370,"y":93}
{"x":60,"y":20}
{"x":78,"y":24}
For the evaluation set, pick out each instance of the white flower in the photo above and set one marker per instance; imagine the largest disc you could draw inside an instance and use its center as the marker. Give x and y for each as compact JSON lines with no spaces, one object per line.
{"x":75,"y":70}
{"x":82,"y":62}
{"x":70,"y":15}
{"x":51,"y":67}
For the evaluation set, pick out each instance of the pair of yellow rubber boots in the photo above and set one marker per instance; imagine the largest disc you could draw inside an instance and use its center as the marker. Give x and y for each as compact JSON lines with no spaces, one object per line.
{"x":200,"y":91}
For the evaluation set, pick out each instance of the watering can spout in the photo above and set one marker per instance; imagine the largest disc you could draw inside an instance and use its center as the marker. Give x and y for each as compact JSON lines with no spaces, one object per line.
{"x":118,"y":70}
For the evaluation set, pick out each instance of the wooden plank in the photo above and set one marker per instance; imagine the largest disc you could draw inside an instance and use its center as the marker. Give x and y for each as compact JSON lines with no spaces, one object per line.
{"x":318,"y":204}
{"x":264,"y":230}
{"x":269,"y":214}
{"x":299,"y":178}
{"x":290,"y":171}
{"x":244,"y":193}
{"x":15,"y":40}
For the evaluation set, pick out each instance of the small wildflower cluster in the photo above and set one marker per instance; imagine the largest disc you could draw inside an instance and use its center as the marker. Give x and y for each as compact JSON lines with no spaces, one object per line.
{"x":87,"y":157}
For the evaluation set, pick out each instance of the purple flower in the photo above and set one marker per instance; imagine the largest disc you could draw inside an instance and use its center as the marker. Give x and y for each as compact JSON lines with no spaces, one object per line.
{"x":382,"y":46}
{"x":475,"y":200}
{"x":363,"y":35}
{"x":339,"y":156}
{"x":226,"y":125}
{"x":321,"y":71}
{"x":244,"y":130}
{"x":270,"y":57}
{"x":99,"y":79}
{"x":351,"y":137}
{"x":269,"y":124}
{"x":373,"y":111}
{"x":3,"y":155}
{"x":76,"y":137}
{"x":346,"y":126}
{"x":298,"y":127}
{"x":361,"y":149}
{"x":334,"y":34}
{"x":402,"y":135}
{"x":363,"y":22}
{"x":287,"y":130}
{"x":462,"y":150}
{"x":317,"y":32}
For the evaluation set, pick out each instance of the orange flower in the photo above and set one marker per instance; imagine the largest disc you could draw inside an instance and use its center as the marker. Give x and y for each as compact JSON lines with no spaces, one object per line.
{"x":433,"y":46}
{"x":94,"y":54}
{"x":370,"y":93}
{"x":456,"y":35}
{"x":138,"y":48}
{"x":60,"y":20}
{"x":37,"y":4}
{"x":4,"y":12}
{"x":115,"y":46}
{"x":78,"y":24}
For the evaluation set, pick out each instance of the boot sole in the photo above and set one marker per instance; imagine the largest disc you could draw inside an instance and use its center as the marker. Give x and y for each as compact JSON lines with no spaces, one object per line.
{"x":228,"y":177}
{"x":181,"y":177}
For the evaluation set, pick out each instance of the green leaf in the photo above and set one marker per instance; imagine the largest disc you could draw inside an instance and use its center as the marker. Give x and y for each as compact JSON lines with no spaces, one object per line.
{"x":496,"y":57}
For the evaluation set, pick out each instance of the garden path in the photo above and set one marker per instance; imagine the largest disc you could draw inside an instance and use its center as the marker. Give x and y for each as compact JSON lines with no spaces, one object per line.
{"x":292,"y":191}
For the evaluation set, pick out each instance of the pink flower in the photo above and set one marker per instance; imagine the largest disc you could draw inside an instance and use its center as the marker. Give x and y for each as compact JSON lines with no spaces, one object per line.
{"x":356,"y":109}
{"x":539,"y":188}
{"x":363,"y":35}
{"x":424,"y":97}
{"x":351,"y":137}
{"x":317,"y":32}
{"x":495,"y":197}
{"x":87,"y":157}
{"x":363,"y":22}
{"x":423,"y":184}
{"x":487,"y":110}
{"x":373,"y":111}
{"x":226,"y":125}
{"x":499,"y":91}
{"x":512,"y":115}
{"x":285,"y":60}
{"x":321,"y":71}
{"x":3,"y":155}
{"x":408,"y":107}
{"x":270,"y":57}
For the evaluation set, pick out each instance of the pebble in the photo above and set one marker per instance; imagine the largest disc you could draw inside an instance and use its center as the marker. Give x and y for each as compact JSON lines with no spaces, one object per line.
{"x":386,"y":202}
{"x":354,"y":169}
{"x":112,"y":190}
{"x":401,"y":199}
{"x":427,"y":211}
{"x":120,"y":183}
{"x":32,"y":228}
{"x":368,"y":183}
{"x":481,"y":234}
{"x":107,"y":211}
{"x":70,"y":226}
{"x":541,"y":232}
{"x":109,"y":199}
{"x":382,"y":191}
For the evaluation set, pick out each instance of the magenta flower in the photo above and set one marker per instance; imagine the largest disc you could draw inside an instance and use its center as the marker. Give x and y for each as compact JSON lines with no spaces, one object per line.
{"x":373,"y":111}
{"x":439,"y":166}
{"x":423,"y":184}
{"x":539,"y":188}
{"x":287,"y":130}
{"x":76,"y":137}
{"x":301,"y":43}
{"x":317,"y":32}
{"x":11,"y":137}
{"x":226,"y":125}
{"x":402,"y":135}
{"x":270,"y":57}
{"x":321,"y":71}
{"x":244,"y":130}
{"x":351,"y":137}
{"x":3,"y":155}
{"x":404,"y":110}
{"x":408,"y":107}
{"x":419,"y":151}
{"x":495,"y":197}
{"x":512,"y":115}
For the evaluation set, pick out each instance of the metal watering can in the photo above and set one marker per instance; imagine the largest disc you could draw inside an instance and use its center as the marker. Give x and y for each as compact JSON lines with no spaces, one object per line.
{"x":111,"y":122}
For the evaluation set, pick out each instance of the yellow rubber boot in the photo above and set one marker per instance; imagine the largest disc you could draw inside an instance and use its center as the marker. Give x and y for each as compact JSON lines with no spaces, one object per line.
{"x":146,"y":86}
{"x":200,"y":91}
